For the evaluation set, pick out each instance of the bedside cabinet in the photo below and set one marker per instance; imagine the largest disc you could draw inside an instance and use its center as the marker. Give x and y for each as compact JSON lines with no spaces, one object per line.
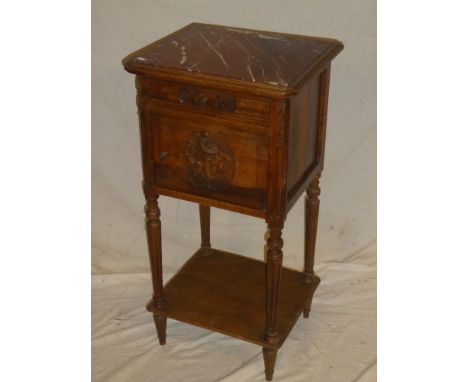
{"x":235,"y":119}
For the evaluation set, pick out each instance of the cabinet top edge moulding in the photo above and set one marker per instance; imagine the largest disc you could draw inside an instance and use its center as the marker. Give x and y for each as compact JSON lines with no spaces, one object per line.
{"x":252,"y":61}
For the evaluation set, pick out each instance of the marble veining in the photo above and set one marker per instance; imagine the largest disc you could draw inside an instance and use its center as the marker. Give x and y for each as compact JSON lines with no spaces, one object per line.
{"x":183,"y":57}
{"x":245,"y":55}
{"x":218,"y":53}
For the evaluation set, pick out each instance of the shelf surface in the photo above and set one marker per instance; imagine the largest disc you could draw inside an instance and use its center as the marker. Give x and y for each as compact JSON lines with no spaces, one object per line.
{"x":225,"y":293}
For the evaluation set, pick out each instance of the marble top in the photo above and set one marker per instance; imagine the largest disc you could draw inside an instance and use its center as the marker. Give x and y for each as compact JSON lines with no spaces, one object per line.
{"x":273,"y":59}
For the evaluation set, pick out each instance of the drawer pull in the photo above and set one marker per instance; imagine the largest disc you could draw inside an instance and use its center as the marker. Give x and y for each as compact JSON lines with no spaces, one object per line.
{"x":163,"y":155}
{"x":207,"y":99}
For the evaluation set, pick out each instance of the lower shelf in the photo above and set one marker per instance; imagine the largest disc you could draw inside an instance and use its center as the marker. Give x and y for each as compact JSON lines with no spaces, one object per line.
{"x":225,"y":293}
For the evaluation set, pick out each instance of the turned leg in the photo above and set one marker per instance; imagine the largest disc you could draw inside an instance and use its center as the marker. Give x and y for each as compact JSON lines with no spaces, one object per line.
{"x":205,"y":228}
{"x":153,"y":234}
{"x":269,"y":358}
{"x":312,"y":204}
{"x":273,"y":278}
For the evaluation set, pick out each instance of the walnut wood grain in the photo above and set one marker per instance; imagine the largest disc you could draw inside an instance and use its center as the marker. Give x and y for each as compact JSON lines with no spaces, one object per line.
{"x":205,"y":228}
{"x":303,"y":134}
{"x":311,"y":212}
{"x":273,"y":279}
{"x":226,"y":293}
{"x":317,"y":125}
{"x":209,"y":159}
{"x":166,"y":94}
{"x":236,"y":119}
{"x":269,"y":359}
{"x":160,"y":322}
{"x":153,"y":233}
{"x":206,"y":99}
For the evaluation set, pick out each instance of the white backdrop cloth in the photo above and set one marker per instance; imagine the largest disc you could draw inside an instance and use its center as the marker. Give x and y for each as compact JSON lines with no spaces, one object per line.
{"x":338,"y":342}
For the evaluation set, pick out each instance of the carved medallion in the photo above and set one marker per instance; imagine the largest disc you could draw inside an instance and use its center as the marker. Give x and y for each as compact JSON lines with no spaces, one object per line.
{"x":209,"y":161}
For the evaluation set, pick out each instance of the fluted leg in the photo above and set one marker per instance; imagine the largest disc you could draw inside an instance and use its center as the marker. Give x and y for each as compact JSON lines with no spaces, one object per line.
{"x":269,"y":358}
{"x":205,"y":228}
{"x":312,"y":204}
{"x":153,"y":234}
{"x":273,"y":278}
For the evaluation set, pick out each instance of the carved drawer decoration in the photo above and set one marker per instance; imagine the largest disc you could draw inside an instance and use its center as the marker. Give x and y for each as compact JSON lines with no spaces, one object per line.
{"x":209,"y":161}
{"x":207,"y":99}
{"x":162,"y":94}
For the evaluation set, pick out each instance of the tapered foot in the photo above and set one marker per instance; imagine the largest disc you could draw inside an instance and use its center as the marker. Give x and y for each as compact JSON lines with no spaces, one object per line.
{"x":160,"y":322}
{"x":307,"y":307}
{"x":269,"y":358}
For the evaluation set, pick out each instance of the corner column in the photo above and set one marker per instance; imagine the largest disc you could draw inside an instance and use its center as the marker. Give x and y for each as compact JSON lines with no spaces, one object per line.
{"x":276,"y":216}
{"x":153,"y":235}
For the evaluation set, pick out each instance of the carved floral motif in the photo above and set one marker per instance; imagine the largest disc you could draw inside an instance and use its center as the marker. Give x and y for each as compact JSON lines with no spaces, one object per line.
{"x":207,"y":99}
{"x":208,"y":160}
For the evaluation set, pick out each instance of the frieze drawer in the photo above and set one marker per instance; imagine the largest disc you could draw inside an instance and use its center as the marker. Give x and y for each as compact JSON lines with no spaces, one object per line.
{"x":196,"y":98}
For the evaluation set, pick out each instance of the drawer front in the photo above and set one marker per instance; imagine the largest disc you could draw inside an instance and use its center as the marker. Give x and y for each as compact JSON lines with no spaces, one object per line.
{"x":195,"y":98}
{"x":210,"y":160}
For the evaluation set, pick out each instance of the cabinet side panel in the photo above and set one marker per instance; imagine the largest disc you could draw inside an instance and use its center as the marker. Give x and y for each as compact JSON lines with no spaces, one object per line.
{"x":303,"y":132}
